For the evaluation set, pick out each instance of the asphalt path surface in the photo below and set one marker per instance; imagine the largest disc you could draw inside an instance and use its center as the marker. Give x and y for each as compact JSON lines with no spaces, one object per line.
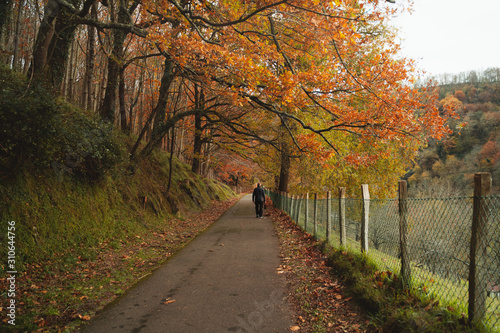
{"x":225,"y":280}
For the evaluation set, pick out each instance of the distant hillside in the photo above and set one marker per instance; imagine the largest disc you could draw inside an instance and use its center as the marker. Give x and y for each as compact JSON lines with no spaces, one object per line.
{"x":447,"y":166}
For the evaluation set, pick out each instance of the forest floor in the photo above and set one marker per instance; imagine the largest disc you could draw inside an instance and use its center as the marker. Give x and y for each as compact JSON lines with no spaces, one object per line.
{"x":319,"y":300}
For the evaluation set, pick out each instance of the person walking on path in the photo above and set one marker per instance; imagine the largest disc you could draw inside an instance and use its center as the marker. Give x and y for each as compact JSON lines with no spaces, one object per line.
{"x":258,"y":198}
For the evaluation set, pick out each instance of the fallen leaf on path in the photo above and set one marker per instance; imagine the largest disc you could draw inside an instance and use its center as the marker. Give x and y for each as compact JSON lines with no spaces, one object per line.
{"x":169,"y":301}
{"x":294,"y":328}
{"x":83,"y":317}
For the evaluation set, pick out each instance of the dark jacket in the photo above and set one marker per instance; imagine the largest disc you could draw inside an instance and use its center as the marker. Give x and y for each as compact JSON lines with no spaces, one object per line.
{"x":258,"y":194}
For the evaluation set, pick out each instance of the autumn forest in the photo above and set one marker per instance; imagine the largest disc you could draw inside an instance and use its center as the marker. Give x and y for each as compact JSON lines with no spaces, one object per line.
{"x":299,"y":94}
{"x":127,"y":125}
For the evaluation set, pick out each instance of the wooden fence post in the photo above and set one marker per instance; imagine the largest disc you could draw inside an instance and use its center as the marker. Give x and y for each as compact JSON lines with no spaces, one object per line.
{"x":343,"y":237}
{"x":315,"y":228}
{"x":328,"y":216}
{"x":478,"y":244}
{"x":306,"y":218}
{"x":403,"y":234}
{"x":365,"y":217}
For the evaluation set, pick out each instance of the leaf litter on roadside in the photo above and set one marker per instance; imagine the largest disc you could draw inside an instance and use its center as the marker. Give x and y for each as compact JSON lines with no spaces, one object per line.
{"x":316,"y":295}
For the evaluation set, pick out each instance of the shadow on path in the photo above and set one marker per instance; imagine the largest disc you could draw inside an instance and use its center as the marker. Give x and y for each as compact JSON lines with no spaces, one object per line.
{"x":225,"y":280}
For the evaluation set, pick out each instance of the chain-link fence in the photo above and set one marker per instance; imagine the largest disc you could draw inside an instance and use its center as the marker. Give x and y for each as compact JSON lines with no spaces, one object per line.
{"x":436,"y":235}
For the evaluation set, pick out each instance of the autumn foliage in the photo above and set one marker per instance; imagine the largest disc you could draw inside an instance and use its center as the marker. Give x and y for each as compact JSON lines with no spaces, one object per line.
{"x":288,"y":78}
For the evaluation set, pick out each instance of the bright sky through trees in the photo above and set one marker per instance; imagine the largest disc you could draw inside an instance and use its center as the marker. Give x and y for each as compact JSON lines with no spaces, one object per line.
{"x":451,"y":36}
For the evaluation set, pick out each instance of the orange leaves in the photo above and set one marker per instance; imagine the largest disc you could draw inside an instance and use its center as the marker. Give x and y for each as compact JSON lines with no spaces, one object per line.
{"x":169,"y":301}
{"x":333,"y":66}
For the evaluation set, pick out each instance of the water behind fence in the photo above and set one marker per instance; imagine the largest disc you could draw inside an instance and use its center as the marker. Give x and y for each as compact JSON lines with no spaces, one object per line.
{"x":433,"y":238}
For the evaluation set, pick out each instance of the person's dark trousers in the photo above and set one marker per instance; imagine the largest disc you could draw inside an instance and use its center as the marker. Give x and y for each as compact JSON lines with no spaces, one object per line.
{"x":259,"y":206}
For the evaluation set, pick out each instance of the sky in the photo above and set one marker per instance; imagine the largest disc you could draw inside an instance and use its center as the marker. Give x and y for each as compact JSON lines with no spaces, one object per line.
{"x":451,"y":36}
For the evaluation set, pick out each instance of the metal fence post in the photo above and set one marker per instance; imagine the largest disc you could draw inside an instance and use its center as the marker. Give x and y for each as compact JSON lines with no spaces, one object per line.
{"x":315,"y":228}
{"x":343,"y":237}
{"x":365,"y":217}
{"x":403,"y":234}
{"x":306,"y":218}
{"x":328,"y":216}
{"x":288,"y":203}
{"x":477,"y":282}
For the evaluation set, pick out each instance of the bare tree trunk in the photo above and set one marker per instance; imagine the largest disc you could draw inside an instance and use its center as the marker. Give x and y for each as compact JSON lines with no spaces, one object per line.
{"x":67,"y":84}
{"x":198,"y":130}
{"x":15,"y":58}
{"x":132,"y":114}
{"x":171,"y":159}
{"x":161,"y":105}
{"x":284,"y":161}
{"x":124,"y":125}
{"x":89,"y":62}
{"x":284,"y":169}
{"x":54,"y":39}
{"x":5,"y":13}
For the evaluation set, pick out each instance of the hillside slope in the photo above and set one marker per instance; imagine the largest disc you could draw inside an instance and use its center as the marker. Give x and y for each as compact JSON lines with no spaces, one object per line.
{"x":80,"y":245}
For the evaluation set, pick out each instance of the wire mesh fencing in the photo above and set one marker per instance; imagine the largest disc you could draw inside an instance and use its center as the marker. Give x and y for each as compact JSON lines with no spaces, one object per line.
{"x":449,"y":246}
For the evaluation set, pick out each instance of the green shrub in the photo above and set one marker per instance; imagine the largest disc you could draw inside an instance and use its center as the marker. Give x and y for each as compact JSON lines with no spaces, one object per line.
{"x":28,"y":117}
{"x":41,"y":132}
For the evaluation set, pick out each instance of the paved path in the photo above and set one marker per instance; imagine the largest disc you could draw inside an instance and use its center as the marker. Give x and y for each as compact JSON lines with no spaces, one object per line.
{"x":225,"y":280}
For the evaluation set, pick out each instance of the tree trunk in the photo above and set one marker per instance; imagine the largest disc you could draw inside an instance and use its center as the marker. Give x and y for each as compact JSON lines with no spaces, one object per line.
{"x":158,"y":130}
{"x":198,"y":130}
{"x":170,"y":161}
{"x":284,"y":159}
{"x":284,"y":168}
{"x":115,"y":61}
{"x":124,"y":124}
{"x":161,"y":105}
{"x":45,"y":34}
{"x":89,"y":63}
{"x":51,"y":49}
{"x":5,"y":13}
{"x":15,"y":58}
{"x":132,"y":114}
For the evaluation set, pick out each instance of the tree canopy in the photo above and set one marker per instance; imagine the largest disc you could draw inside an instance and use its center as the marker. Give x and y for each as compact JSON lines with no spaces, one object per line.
{"x":283,"y":79}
